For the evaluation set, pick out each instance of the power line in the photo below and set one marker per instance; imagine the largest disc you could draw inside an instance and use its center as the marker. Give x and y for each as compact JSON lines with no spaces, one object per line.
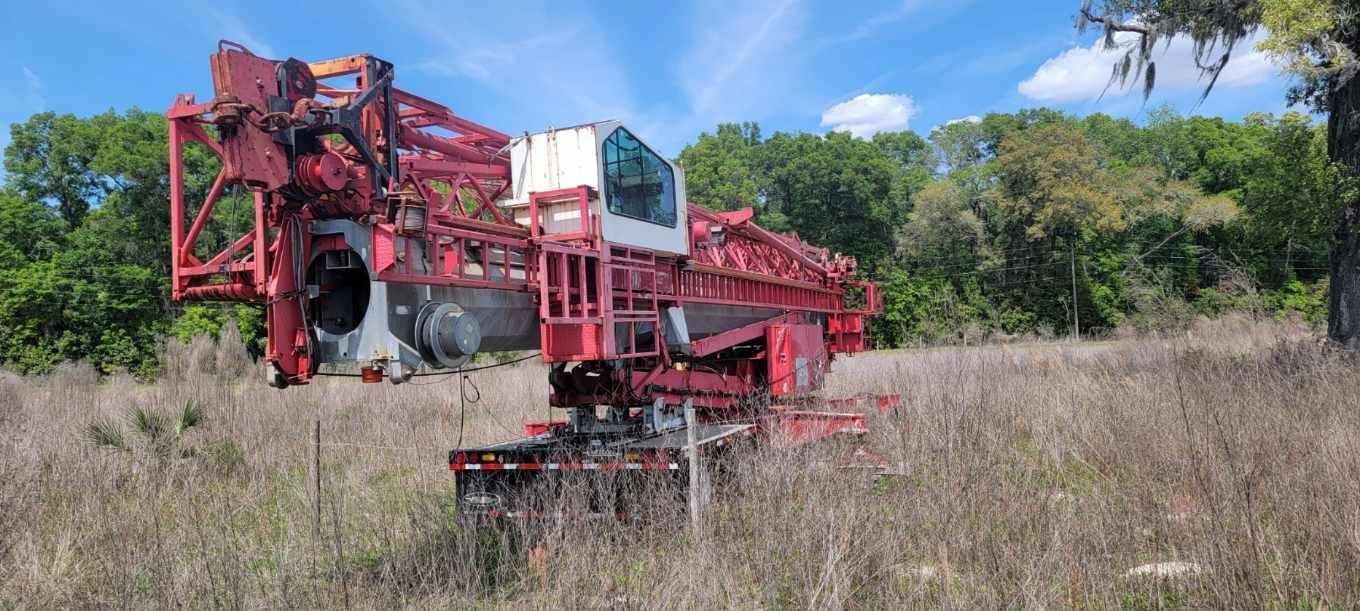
{"x":974,"y":253}
{"x":1206,"y":260}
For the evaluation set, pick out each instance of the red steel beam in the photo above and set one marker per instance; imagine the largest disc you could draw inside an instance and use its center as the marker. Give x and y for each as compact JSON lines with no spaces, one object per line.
{"x":204,"y":212}
{"x":339,"y":66}
{"x":727,"y":339}
{"x":437,"y":167}
{"x":176,"y":199}
{"x":447,"y":118}
{"x":410,"y":138}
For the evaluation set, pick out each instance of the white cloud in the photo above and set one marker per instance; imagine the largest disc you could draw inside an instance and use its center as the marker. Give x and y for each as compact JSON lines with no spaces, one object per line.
{"x":967,"y":119}
{"x":33,"y":95}
{"x":1082,"y":73}
{"x":870,"y":113}
{"x":31,"y":78}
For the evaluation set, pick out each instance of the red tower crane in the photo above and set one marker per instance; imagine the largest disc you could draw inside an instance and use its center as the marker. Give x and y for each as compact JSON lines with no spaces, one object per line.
{"x":391,"y":234}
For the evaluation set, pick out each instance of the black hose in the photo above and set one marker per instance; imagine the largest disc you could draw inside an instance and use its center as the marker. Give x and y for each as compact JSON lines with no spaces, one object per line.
{"x":329,"y":374}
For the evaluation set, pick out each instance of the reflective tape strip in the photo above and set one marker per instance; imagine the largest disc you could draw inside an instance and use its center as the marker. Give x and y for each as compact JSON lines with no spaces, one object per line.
{"x":514,"y":514}
{"x":553,"y":466}
{"x":496,"y":514}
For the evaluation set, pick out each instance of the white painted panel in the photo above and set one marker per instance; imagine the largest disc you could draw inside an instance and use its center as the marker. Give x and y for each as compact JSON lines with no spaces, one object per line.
{"x":564,"y":217}
{"x":570,"y":157}
{"x":555,"y":159}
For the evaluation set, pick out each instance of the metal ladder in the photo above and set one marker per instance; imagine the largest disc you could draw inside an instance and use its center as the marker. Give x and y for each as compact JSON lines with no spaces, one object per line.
{"x":597,"y":305}
{"x":631,"y":317}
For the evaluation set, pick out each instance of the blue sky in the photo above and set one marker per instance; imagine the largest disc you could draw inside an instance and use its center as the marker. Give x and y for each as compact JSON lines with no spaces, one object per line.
{"x":669,"y":69}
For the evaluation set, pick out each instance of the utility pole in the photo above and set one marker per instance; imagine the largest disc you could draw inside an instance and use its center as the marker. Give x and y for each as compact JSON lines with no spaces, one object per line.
{"x":1289,"y":254}
{"x":315,"y":468}
{"x":314,"y":486}
{"x":1076,"y":317}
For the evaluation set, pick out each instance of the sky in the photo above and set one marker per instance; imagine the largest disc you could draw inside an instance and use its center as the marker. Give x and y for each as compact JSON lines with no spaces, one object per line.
{"x":669,"y":70}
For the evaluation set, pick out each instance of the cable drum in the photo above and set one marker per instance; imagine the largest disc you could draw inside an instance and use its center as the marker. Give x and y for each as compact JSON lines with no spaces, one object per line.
{"x":446,"y":336}
{"x":412,"y":219}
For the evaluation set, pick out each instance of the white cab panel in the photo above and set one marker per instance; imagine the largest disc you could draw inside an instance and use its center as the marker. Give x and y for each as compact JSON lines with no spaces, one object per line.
{"x":586,"y":155}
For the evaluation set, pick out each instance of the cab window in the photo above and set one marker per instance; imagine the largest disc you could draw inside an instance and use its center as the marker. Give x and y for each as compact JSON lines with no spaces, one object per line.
{"x":638,"y":183}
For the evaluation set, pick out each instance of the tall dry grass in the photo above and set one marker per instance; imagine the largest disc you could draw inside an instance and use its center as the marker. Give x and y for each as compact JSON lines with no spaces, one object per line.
{"x":1025,"y":476}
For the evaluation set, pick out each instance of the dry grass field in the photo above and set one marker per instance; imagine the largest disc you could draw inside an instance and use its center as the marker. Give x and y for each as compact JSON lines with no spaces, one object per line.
{"x":1030,"y":476}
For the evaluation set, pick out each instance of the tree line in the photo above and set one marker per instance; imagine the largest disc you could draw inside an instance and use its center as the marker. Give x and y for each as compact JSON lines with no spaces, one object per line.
{"x":1037,"y":222}
{"x":85,"y":243}
{"x":1316,"y":43}
{"x":981,"y":227}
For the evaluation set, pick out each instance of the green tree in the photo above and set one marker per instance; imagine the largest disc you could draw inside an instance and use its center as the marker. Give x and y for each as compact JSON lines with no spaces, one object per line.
{"x":51,"y":311}
{"x":941,"y":225}
{"x":1319,"y":41}
{"x":909,"y":150}
{"x":835,"y":191}
{"x":1050,"y":181}
{"x":1120,"y":142}
{"x":84,"y":236}
{"x":210,"y":319}
{"x":1288,"y":192}
{"x":116,"y":165}
{"x":718,"y":167}
{"x":48,"y":160}
{"x":928,"y":308}
{"x":996,"y":127}
{"x":28,"y":231}
{"x":914,"y":160}
{"x":959,"y":143}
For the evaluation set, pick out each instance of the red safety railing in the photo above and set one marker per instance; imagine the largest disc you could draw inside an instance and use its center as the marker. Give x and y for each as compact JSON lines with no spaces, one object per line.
{"x":631,"y":320}
{"x":571,"y":319}
{"x":581,"y":196}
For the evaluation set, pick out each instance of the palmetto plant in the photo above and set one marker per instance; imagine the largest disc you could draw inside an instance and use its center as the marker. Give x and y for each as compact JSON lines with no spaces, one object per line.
{"x":161,"y":433}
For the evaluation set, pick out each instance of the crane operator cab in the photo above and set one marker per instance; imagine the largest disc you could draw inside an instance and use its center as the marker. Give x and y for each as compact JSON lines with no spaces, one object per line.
{"x":643,"y":192}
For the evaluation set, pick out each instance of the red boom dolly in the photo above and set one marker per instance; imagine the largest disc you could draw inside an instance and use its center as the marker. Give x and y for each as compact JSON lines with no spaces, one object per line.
{"x":394,"y":235}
